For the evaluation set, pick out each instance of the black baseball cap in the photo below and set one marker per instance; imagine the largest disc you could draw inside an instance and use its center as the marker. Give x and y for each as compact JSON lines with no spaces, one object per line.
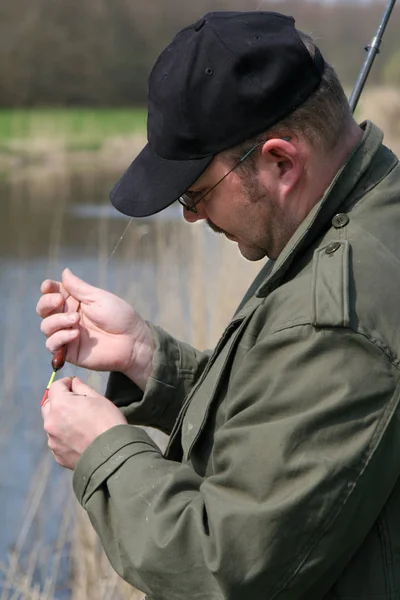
{"x":222,"y":80}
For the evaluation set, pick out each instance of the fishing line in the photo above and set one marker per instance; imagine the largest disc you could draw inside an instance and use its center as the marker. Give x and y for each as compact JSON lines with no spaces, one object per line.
{"x":59,"y":357}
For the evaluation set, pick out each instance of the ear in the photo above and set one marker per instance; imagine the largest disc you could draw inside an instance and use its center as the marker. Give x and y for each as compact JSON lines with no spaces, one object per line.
{"x":285,"y":161}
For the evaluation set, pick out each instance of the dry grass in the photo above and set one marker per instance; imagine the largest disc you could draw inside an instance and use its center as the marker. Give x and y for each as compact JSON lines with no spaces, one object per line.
{"x":18,"y":575}
{"x":382,"y":106}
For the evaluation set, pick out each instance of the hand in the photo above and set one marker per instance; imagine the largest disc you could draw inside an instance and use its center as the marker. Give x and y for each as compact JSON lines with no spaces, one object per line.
{"x":74,"y":415}
{"x":106,"y":334}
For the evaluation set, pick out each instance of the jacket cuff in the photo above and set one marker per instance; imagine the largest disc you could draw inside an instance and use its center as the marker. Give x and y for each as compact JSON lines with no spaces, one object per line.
{"x":106,"y":454}
{"x":174,"y":368}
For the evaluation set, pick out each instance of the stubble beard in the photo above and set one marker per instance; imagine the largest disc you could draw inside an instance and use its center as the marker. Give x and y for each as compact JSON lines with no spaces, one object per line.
{"x":278,"y":229}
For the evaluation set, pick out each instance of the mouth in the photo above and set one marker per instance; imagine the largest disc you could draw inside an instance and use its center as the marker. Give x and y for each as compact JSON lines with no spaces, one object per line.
{"x":214,"y":227}
{"x":217,"y":229}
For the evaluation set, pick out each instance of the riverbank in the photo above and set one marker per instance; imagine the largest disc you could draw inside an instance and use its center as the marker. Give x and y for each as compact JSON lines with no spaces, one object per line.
{"x":37,"y":140}
{"x":46,"y":140}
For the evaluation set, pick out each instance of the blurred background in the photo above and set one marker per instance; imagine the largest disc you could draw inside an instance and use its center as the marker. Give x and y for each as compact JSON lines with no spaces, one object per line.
{"x":72,"y":117}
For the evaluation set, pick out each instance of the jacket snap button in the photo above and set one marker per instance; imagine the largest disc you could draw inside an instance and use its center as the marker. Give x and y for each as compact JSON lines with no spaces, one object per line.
{"x":340,"y":220}
{"x":332,"y":248}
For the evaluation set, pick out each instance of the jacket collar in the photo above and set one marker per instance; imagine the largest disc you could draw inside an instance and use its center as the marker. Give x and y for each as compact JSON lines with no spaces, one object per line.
{"x":347,"y":183}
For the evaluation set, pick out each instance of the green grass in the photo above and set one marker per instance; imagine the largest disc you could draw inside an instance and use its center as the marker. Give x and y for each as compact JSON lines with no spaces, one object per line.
{"x":88,"y":124}
{"x":84,"y":146}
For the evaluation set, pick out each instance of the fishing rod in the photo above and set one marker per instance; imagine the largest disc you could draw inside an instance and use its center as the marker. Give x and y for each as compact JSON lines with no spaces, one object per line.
{"x":373,"y":49}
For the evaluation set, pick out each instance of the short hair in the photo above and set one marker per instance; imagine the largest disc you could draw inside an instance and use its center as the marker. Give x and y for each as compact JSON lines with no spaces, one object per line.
{"x":321,"y":119}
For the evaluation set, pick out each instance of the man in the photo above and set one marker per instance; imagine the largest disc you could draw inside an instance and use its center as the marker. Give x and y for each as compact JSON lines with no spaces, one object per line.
{"x":281,"y":478}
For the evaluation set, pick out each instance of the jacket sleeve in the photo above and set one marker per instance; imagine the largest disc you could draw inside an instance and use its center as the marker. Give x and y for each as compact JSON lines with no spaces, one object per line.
{"x":301,"y":468}
{"x":176,"y":368}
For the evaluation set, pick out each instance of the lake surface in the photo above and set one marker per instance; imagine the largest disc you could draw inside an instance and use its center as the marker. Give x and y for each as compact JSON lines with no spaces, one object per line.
{"x":160,"y":265}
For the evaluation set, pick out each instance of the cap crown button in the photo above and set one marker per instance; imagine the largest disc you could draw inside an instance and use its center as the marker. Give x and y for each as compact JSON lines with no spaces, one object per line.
{"x":200,"y":23}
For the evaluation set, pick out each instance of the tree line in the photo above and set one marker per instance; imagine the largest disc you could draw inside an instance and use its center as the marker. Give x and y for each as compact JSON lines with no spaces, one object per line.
{"x":100,"y":52}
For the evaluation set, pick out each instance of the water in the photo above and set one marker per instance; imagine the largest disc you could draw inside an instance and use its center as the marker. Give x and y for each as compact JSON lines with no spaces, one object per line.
{"x":160,"y":266}
{"x":66,"y":221}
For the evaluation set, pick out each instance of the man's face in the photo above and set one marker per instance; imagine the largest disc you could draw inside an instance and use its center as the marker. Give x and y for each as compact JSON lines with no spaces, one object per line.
{"x":246,"y":208}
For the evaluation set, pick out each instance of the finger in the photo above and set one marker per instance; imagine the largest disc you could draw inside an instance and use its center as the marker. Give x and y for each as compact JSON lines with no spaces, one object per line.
{"x":52,"y":444}
{"x":80,"y":388}
{"x":50,"y":286}
{"x":61,"y":386}
{"x":59,"y":321}
{"x":49,"y":303}
{"x":60,"y":338}
{"x":79,"y":289}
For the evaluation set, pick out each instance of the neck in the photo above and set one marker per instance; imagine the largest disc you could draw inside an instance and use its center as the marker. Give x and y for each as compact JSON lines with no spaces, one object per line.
{"x":323,"y":167}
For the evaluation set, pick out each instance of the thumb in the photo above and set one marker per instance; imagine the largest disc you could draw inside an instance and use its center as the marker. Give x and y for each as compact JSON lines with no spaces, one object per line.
{"x":78,"y":387}
{"x":77,"y":288}
{"x":61,"y":385}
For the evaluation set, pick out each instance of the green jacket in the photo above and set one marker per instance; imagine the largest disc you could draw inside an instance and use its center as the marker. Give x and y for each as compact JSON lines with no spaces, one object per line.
{"x":281,"y":479}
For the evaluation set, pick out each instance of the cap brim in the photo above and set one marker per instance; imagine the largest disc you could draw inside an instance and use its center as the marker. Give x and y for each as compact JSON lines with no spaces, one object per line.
{"x":152,"y":183}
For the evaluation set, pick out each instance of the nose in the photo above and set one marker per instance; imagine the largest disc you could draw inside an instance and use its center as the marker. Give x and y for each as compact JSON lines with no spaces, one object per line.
{"x":192,"y":217}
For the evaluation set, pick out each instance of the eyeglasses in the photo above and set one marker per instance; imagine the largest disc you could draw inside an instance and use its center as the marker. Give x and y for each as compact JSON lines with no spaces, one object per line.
{"x":189,"y":201}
